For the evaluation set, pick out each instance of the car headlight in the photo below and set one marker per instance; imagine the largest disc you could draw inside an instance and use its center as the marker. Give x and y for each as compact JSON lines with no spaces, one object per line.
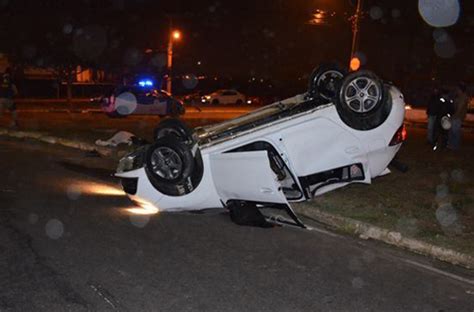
{"x":207,"y":97}
{"x":131,"y":161}
{"x":125,"y":164}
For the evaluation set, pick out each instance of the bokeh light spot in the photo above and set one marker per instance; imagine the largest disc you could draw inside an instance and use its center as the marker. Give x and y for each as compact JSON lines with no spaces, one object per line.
{"x":376,"y":12}
{"x":439,"y":13}
{"x":125,"y":103}
{"x":54,"y":229}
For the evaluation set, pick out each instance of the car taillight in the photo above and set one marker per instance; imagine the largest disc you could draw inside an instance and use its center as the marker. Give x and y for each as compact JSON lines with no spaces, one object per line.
{"x":400,"y":136}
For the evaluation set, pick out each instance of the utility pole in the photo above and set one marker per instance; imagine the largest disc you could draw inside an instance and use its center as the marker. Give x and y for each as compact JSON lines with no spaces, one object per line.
{"x":173,"y":35}
{"x":170,"y":58}
{"x":356,"y":28}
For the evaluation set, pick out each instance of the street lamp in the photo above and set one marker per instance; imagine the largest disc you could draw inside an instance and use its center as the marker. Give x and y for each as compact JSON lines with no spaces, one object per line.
{"x":175,"y":35}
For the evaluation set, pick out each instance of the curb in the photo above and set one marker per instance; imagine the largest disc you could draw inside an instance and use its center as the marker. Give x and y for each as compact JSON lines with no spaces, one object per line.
{"x":366,"y":231}
{"x":44,"y":137}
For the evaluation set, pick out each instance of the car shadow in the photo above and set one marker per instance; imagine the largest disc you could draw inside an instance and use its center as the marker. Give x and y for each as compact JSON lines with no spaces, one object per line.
{"x":98,"y":173}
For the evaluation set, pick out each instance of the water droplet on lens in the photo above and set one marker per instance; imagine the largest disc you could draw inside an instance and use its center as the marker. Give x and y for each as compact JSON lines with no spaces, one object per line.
{"x":439,"y":13}
{"x":440,"y":35}
{"x":33,"y":218}
{"x":442,"y":191}
{"x":54,"y":229}
{"x":396,"y":13}
{"x":139,"y":221}
{"x":190,"y":81}
{"x":125,"y":103}
{"x":357,"y":283}
{"x":376,"y":12}
{"x":73,"y":192}
{"x":446,"y":215}
{"x":67,"y":29}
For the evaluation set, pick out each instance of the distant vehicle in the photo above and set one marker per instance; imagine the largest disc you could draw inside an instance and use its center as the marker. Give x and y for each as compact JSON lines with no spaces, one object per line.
{"x":141,"y":99}
{"x":224,"y":97}
{"x":192,"y":99}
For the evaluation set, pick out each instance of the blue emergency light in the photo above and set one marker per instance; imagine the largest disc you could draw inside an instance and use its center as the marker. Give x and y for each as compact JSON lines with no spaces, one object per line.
{"x":145,"y":83}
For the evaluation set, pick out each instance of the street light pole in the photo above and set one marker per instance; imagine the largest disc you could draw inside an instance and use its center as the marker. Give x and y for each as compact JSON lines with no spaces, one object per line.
{"x":170,"y":63}
{"x":356,"y":28}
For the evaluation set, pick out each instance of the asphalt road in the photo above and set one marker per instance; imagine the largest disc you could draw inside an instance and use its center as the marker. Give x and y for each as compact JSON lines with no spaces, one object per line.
{"x":68,"y":243}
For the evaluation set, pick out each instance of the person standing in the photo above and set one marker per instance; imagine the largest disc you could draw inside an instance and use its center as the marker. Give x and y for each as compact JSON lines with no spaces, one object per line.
{"x":444,"y":107}
{"x":460,"y":111}
{"x":8,"y":91}
{"x":432,"y":112}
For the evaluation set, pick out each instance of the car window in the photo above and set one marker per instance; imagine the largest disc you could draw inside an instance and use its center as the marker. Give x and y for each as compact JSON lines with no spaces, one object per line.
{"x":229,"y":93}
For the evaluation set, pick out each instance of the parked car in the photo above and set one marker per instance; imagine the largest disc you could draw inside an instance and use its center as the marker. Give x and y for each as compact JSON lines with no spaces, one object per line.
{"x":192,"y":99}
{"x":344,"y":129}
{"x":224,"y":97}
{"x":141,"y":99}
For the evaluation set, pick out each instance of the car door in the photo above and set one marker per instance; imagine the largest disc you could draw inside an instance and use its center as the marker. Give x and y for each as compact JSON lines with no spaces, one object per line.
{"x":160,"y":104}
{"x":229,"y":97}
{"x":144,"y":101}
{"x":245,"y":176}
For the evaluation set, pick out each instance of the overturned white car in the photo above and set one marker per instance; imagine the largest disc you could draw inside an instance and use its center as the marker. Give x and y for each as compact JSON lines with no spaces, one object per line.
{"x":344,"y":129}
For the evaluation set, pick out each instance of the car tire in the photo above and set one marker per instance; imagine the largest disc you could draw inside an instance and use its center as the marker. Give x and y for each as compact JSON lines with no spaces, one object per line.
{"x":173,"y":127}
{"x":239,"y":102}
{"x":215,"y":102}
{"x":325,"y":80}
{"x":363,"y":102}
{"x":169,"y":160}
{"x":171,"y":167}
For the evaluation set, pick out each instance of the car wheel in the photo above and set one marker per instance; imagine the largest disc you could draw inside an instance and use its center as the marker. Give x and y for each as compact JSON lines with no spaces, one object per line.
{"x":239,"y":102}
{"x":174,"y":127}
{"x":324,"y":81}
{"x":169,"y":161}
{"x":171,"y":167}
{"x":363,"y":102}
{"x":215,"y":102}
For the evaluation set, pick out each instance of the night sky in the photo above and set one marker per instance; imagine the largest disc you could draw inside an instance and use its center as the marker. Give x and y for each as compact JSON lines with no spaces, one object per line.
{"x":270,"y":39}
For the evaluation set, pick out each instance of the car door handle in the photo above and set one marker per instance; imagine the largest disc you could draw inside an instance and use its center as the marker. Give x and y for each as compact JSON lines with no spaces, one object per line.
{"x":266,"y":190}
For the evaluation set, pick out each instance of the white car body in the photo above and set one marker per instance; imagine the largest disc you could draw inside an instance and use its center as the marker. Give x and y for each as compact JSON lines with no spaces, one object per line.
{"x":224,"y":97}
{"x":311,"y":142}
